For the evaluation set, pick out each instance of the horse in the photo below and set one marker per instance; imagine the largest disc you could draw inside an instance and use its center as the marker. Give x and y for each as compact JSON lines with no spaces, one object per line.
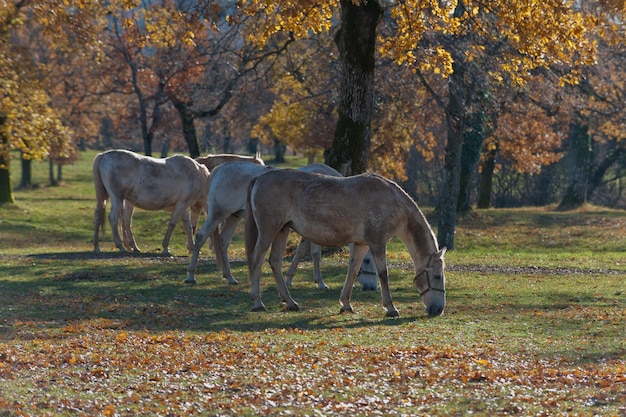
{"x":212,"y":161}
{"x":228,"y":193}
{"x":367,"y":210}
{"x":129,"y":179}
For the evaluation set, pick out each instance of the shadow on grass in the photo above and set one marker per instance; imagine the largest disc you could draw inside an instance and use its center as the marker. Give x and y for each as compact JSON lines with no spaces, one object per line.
{"x":148,"y":293}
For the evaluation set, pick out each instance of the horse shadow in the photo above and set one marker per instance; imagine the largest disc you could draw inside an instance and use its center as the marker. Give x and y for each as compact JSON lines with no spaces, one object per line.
{"x":151,"y":296}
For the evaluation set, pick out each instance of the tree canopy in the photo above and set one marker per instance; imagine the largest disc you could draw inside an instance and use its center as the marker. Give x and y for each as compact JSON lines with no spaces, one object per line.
{"x":465,"y":87}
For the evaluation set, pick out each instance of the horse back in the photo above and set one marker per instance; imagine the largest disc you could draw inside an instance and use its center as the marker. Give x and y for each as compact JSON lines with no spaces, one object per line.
{"x":328,"y":210}
{"x":152,"y":183}
{"x":212,"y":161}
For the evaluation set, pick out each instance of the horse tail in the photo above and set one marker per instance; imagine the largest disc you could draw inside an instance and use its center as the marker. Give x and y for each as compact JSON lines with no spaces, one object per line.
{"x":251,"y":229}
{"x":101,"y":193}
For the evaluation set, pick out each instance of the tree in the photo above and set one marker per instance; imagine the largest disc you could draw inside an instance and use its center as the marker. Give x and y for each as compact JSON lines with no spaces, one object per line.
{"x":597,"y":127}
{"x":446,"y":40}
{"x":28,"y":121}
{"x":478,"y":44}
{"x":356,"y":41}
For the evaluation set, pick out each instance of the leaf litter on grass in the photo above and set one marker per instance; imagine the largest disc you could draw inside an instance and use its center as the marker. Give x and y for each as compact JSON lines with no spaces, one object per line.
{"x":113,"y":371}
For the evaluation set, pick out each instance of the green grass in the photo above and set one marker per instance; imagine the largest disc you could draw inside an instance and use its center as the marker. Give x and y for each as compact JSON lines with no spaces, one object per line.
{"x":534,"y":325}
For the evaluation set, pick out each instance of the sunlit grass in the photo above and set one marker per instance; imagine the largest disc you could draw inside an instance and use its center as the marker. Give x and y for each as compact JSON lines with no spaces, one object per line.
{"x":534,"y":322}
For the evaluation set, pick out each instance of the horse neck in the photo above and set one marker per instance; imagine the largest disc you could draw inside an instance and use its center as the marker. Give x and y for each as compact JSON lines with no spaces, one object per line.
{"x":420,"y":240}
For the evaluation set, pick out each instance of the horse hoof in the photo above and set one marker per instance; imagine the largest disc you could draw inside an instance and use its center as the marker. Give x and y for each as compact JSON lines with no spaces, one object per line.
{"x":292,"y":307}
{"x":346,"y":310}
{"x":323,"y":286}
{"x":232,"y":281}
{"x":191,"y":281}
{"x":258,"y":308}
{"x":393,"y":313}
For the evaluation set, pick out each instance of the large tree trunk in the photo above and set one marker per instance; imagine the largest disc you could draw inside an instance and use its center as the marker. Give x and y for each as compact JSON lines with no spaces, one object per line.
{"x":51,"y":179}
{"x":189,"y":128}
{"x":452,"y":169}
{"x":473,"y":137}
{"x":279,"y":151}
{"x":27,"y":174}
{"x":356,"y":41}
{"x":6,"y":189}
{"x":579,"y":162}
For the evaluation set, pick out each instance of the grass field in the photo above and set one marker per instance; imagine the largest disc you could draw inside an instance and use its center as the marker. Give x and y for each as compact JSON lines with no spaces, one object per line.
{"x":535,"y":322}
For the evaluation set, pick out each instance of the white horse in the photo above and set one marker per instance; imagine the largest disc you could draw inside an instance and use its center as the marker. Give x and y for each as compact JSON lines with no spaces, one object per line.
{"x":228,"y":194}
{"x":212,"y":161}
{"x":367,"y":210}
{"x":129,"y":179}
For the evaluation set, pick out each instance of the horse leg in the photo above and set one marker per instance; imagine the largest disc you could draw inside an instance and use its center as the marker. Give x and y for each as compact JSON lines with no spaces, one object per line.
{"x":276,"y":262}
{"x":127,"y":229}
{"x":188,"y":231}
{"x":221,"y":242}
{"x":194,"y":216}
{"x":99,"y":223}
{"x":178,"y":213}
{"x":380,"y":259}
{"x":316,"y":254}
{"x":255,"y":265}
{"x":201,"y":237}
{"x":303,"y":246}
{"x":260,"y":246}
{"x":116,"y":210}
{"x":357,"y":252}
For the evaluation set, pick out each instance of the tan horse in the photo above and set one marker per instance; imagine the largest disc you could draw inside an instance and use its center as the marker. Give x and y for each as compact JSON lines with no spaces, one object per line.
{"x":129,"y":179}
{"x":366,"y":209}
{"x":228,"y":194}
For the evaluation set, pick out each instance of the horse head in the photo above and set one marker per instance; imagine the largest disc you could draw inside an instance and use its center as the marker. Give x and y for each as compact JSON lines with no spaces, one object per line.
{"x":431,"y":284}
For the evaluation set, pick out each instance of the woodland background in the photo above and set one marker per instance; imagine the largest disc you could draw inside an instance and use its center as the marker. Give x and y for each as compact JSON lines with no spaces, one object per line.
{"x":524,"y":100}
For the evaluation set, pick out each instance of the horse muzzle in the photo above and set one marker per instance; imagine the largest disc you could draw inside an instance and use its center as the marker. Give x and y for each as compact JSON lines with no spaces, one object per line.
{"x":435,"y":310}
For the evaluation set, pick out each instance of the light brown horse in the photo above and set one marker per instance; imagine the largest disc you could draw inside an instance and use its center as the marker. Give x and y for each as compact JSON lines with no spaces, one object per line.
{"x":129,"y":179}
{"x":367,"y":210}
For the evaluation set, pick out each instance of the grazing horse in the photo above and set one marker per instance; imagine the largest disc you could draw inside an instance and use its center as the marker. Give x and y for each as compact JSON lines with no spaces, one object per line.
{"x":129,"y":179}
{"x":367,"y":210}
{"x":228,"y":194}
